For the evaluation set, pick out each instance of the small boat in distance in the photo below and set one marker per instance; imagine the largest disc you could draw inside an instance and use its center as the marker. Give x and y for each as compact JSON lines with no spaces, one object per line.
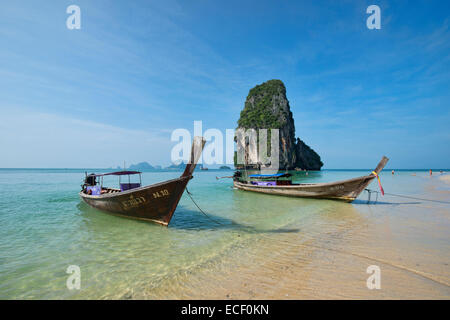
{"x":155,"y":203}
{"x":281,"y":184}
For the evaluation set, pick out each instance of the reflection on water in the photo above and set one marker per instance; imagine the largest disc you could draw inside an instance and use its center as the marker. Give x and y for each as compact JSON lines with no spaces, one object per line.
{"x":248,"y":245}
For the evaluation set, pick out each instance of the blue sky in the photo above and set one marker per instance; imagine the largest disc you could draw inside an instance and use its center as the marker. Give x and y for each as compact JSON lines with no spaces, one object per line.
{"x":116,"y":89}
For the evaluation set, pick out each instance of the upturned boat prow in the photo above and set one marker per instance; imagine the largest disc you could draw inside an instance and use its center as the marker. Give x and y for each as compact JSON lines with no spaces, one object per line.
{"x":345,"y":190}
{"x":155,"y":203}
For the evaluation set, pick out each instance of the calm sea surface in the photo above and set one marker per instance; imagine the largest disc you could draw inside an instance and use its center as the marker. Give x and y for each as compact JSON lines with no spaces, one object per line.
{"x":244,"y":249}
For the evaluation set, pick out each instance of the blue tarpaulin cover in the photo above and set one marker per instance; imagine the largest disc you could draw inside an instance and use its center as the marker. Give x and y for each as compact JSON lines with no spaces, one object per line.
{"x":277,"y":175}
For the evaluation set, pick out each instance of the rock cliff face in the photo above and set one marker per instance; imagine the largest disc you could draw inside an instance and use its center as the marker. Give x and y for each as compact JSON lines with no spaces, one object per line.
{"x":307,"y":158}
{"x":267,"y":107}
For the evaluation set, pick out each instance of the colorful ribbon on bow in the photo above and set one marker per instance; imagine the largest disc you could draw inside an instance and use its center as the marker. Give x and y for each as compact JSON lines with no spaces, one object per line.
{"x":379,"y":182}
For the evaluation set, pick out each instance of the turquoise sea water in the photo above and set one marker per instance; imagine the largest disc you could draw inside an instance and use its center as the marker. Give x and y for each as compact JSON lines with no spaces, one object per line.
{"x":44,"y":228}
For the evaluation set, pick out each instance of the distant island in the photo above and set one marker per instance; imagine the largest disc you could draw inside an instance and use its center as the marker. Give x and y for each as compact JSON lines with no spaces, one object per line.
{"x":177,"y":167}
{"x":145,"y":166}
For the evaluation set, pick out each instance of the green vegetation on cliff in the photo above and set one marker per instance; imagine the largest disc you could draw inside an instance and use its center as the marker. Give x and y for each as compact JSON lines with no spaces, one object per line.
{"x":258,"y":111}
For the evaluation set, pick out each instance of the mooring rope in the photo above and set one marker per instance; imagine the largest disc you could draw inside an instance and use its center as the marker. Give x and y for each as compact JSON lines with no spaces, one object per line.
{"x":190,"y":196}
{"x":403,"y":196}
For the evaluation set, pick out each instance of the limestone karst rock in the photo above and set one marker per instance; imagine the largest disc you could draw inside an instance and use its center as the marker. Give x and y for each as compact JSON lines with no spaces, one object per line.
{"x":267,"y":107}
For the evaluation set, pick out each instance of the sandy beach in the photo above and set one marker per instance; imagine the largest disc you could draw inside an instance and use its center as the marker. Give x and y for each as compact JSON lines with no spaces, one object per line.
{"x":407,"y":239}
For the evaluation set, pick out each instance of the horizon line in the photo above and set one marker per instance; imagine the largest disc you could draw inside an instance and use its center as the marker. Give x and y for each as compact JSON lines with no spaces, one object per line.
{"x":67,"y":168}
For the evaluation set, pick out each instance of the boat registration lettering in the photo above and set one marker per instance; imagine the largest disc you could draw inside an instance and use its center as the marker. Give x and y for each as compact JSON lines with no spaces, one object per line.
{"x":161,"y":193}
{"x":340,"y":187}
{"x":133,"y":202}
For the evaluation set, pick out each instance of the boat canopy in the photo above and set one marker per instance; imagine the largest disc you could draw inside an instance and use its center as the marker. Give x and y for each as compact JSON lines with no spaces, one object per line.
{"x":265,"y":176}
{"x":117,"y":173}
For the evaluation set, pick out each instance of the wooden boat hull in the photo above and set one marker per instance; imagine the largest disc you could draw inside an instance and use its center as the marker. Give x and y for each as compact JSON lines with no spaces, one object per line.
{"x":345,"y":190}
{"x":155,"y":203}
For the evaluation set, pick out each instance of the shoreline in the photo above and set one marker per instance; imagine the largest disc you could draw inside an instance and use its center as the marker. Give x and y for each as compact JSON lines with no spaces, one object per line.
{"x":329,"y":261}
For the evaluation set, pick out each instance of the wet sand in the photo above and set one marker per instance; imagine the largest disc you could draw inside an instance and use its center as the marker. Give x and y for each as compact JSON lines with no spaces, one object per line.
{"x":445,"y":178}
{"x":408,"y":239}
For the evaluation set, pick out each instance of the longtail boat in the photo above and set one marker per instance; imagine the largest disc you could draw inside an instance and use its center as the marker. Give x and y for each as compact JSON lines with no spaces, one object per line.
{"x":155,"y":203}
{"x":280,"y":184}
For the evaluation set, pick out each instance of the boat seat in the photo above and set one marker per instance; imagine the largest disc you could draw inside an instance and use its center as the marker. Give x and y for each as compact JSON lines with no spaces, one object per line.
{"x":128,"y":186}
